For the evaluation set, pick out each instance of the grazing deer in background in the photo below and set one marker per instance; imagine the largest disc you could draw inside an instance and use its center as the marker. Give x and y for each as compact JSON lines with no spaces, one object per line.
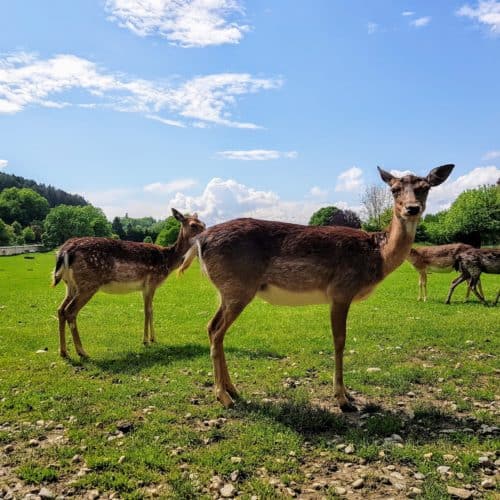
{"x":440,"y":259}
{"x":291,"y":264}
{"x":471,"y":263}
{"x":88,"y":265}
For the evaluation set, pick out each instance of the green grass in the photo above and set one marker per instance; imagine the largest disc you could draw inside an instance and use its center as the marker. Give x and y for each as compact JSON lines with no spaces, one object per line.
{"x":443,"y":354}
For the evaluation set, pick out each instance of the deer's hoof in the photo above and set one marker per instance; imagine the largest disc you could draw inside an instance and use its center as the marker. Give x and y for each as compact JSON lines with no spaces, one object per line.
{"x":64,"y":354}
{"x":348,"y":407}
{"x":348,"y":396}
{"x":226,"y":400}
{"x":232,"y":392}
{"x":83,"y":355}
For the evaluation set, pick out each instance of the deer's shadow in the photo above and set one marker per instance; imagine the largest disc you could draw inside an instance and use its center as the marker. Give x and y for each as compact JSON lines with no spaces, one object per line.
{"x":164,"y":355}
{"x":371,"y":425}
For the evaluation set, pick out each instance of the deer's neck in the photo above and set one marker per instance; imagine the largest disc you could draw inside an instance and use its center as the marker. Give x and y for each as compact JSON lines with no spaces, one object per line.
{"x":396,"y":248}
{"x":175,"y":252}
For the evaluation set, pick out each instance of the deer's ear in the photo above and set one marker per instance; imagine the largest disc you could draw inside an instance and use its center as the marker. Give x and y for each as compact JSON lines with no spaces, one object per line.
{"x":386,"y":176}
{"x":178,"y":215}
{"x":195,"y":215}
{"x":439,"y":174}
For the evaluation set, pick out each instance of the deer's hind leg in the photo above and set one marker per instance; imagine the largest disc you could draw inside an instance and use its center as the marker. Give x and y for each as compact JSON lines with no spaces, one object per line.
{"x":63,"y":350}
{"x":149,"y":333}
{"x":71,"y":312}
{"x":227,"y":313}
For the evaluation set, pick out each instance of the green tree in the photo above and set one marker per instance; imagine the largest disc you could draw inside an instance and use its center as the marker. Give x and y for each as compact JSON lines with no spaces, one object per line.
{"x":322,"y":216}
{"x":64,"y":222}
{"x":23,"y":205}
{"x":379,"y":222}
{"x":148,"y":239}
{"x":117,"y":227}
{"x":168,"y":235}
{"x":475,"y":210}
{"x":28,"y":235}
{"x":6,"y":234}
{"x":17,"y":228}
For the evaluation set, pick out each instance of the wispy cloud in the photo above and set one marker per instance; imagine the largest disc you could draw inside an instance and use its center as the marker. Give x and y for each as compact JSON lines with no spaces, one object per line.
{"x":350,"y":180}
{"x":485,"y":12}
{"x":420,"y":22}
{"x":170,"y":187}
{"x":3,"y":164}
{"x":26,"y":80}
{"x":257,"y":155}
{"x":491,"y":155}
{"x":166,"y":121}
{"x":407,"y":13}
{"x":372,"y":28}
{"x":188,"y":23}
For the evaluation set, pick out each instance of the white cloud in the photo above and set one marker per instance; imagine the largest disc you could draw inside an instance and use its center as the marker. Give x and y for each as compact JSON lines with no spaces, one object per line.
{"x":224,"y":199}
{"x":350,"y":180}
{"x":491,"y":155}
{"x":188,"y":23}
{"x":407,"y":13}
{"x":257,"y":155}
{"x":317,"y":192}
{"x":170,"y":187}
{"x":3,"y":164}
{"x":26,"y":80}
{"x":402,"y":173}
{"x":372,"y":28}
{"x":421,"y":22}
{"x":442,"y":196}
{"x":486,"y":12}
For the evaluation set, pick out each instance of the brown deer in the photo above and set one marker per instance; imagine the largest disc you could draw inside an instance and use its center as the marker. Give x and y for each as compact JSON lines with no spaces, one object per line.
{"x":89,"y":264}
{"x":291,"y":264}
{"x":439,"y":259}
{"x":471,"y":263}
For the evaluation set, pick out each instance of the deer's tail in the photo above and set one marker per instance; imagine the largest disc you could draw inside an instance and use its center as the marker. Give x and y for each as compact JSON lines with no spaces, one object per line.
{"x":189,"y":256}
{"x":62,"y":262}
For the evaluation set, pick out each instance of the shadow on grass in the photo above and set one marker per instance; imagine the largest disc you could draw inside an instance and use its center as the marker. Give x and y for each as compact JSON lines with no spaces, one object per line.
{"x":369,"y":426}
{"x":134,"y":362}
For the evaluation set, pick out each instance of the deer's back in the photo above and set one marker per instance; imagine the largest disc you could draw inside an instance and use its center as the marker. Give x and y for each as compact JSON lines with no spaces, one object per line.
{"x":105,"y":260}
{"x":290,"y":256}
{"x":440,"y":257}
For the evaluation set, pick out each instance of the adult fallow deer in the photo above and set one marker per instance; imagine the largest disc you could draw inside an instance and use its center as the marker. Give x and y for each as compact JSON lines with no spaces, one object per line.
{"x":471,"y":263}
{"x":88,"y":265}
{"x":440,"y":258}
{"x":290,"y":264}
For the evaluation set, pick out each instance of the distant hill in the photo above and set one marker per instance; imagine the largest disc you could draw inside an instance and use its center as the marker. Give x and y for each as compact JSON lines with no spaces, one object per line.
{"x":53,"y":195}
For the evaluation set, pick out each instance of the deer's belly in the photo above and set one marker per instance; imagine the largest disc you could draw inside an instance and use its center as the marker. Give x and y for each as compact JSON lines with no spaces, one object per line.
{"x":122,"y":286}
{"x":281,"y":297}
{"x":446,"y":269}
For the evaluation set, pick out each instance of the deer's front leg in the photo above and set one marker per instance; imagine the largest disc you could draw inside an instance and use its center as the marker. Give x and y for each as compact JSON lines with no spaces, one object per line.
{"x":338,"y":317}
{"x":149,"y":332}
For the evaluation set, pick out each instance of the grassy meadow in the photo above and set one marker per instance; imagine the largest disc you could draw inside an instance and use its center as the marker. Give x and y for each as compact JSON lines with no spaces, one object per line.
{"x":135,"y":421}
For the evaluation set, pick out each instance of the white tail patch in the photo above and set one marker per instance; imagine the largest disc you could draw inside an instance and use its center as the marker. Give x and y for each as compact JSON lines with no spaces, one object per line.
{"x":189,"y":256}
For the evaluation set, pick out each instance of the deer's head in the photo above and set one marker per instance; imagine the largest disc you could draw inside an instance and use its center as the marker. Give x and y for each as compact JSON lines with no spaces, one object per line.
{"x":190,"y":224}
{"x":410,"y":192}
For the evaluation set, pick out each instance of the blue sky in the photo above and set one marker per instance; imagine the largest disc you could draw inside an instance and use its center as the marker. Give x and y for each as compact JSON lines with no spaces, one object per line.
{"x":234,"y":107}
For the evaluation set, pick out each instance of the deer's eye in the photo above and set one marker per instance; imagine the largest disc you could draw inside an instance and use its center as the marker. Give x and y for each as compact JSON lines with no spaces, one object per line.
{"x":395,"y":190}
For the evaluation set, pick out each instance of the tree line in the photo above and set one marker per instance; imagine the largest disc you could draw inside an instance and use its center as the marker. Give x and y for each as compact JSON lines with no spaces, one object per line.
{"x":474,"y":217}
{"x":26,"y":216}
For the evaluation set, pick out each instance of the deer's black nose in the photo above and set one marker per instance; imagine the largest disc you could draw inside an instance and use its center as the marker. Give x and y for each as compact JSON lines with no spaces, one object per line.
{"x":413,"y":210}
